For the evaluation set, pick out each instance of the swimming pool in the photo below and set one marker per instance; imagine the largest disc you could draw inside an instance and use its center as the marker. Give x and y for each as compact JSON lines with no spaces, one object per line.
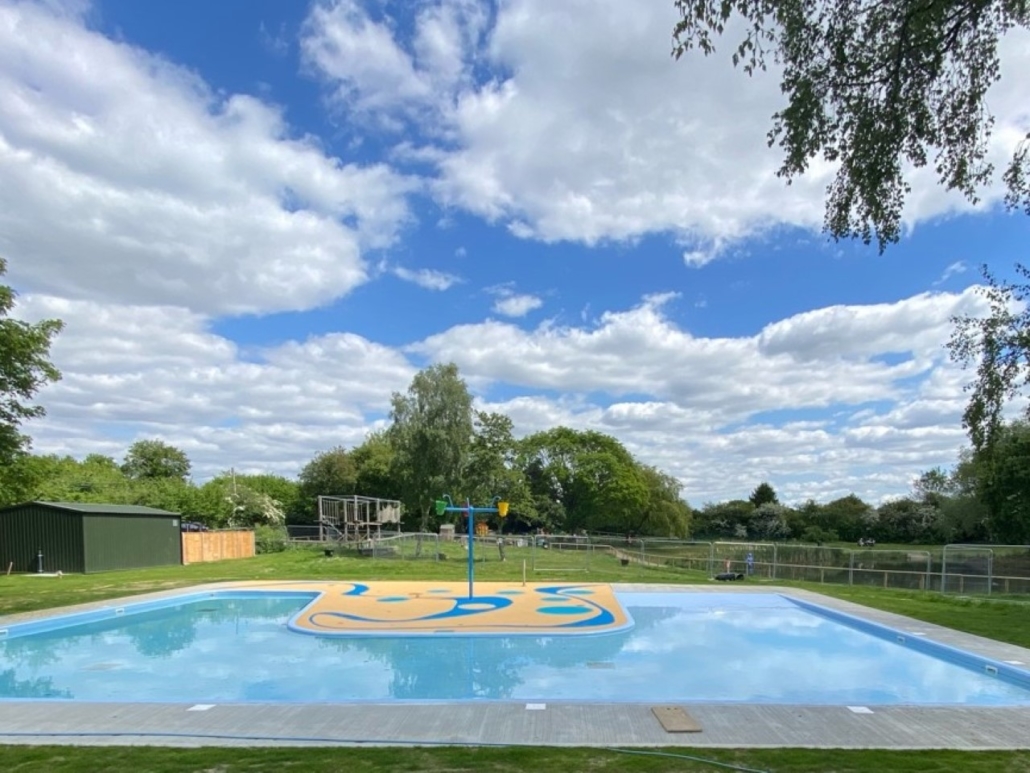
{"x":235,"y":646}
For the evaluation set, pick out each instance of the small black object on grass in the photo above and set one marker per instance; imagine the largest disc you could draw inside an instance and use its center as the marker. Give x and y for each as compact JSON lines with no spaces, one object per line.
{"x":729,"y":576}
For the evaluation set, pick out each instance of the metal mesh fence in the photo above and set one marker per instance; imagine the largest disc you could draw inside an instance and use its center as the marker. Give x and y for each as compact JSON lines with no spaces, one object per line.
{"x":410,"y":547}
{"x":560,"y":552}
{"x":909,"y":569}
{"x":959,"y":569}
{"x":751,"y":559}
{"x":987,"y":570}
{"x":677,"y":554}
{"x":1011,"y":569}
{"x":303,"y":532}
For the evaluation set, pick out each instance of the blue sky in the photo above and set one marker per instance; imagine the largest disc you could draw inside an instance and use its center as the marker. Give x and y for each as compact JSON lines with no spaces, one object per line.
{"x":259,"y":219}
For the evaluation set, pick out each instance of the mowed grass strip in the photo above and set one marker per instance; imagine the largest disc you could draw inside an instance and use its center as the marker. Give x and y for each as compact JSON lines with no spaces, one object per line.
{"x":65,"y":759}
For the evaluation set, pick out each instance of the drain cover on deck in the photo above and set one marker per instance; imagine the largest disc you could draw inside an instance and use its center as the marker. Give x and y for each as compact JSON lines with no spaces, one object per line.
{"x":675,"y":720}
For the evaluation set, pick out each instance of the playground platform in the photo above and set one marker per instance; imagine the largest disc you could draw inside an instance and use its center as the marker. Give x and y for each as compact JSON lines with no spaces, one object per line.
{"x":440,"y":608}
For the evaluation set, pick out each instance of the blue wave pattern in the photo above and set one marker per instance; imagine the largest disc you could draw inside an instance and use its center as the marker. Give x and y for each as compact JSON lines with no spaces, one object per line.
{"x":547,"y":605}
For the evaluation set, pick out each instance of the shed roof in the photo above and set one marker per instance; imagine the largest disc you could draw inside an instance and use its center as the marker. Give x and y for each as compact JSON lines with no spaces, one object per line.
{"x":93,"y":508}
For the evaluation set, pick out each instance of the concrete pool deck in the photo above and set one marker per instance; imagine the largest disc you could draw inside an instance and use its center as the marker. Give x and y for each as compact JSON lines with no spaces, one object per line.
{"x":550,"y":724}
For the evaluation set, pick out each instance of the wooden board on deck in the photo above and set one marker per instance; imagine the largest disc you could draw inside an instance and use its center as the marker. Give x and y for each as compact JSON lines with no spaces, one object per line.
{"x":675,"y":720}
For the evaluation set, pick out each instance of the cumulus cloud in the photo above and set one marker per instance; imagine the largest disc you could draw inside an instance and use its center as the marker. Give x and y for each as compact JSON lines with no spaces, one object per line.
{"x":139,"y":205}
{"x":640,"y":351}
{"x":145,"y":371}
{"x":719,"y":413}
{"x":375,"y":75}
{"x":127,"y":179}
{"x":582,"y":127}
{"x":705,"y":398}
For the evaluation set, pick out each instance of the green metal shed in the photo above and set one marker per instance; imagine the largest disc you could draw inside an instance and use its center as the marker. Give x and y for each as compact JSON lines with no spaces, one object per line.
{"x":86,"y":537}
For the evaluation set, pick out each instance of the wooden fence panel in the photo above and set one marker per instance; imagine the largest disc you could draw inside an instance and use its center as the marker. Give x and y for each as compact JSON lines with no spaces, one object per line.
{"x":201,"y":546}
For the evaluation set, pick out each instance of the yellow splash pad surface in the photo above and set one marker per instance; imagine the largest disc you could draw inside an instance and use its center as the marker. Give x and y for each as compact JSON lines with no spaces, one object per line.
{"x":408,"y":608}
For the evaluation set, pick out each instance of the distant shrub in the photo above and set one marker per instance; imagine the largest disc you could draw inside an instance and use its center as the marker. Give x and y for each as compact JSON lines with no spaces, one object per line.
{"x":270,"y":539}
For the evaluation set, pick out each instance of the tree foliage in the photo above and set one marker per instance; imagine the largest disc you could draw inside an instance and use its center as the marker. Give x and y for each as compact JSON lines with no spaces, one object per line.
{"x":431,"y":435}
{"x":999,"y":346}
{"x":665,"y":514}
{"x":492,"y":469}
{"x":25,"y":368}
{"x":588,"y":480}
{"x":849,"y":517}
{"x":728,"y":520}
{"x":374,"y":467}
{"x":155,"y":459}
{"x":236,"y":502}
{"x":285,"y":493}
{"x":329,"y":473}
{"x":764,"y":494}
{"x":874,"y":87}
{"x":1004,"y":484}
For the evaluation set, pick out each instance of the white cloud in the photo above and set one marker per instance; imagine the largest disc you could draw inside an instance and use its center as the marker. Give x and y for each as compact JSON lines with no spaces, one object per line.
{"x":512,"y":304}
{"x":641,"y":352}
{"x":958,"y":267}
{"x":374,"y":75}
{"x":702,"y":256}
{"x":135,"y":371}
{"x":127,"y":179}
{"x":702,"y":419}
{"x":586,"y":130}
{"x":139,"y":205}
{"x":914,"y":326}
{"x":841,"y":419}
{"x":427,"y":278}
{"x":517,"y":305}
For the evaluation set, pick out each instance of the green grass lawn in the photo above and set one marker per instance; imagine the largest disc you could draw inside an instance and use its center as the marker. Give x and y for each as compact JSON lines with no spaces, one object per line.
{"x":57,"y":759}
{"x":1003,"y":620}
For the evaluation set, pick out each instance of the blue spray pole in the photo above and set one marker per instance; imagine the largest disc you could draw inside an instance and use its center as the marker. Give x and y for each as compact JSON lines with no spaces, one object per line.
{"x":472,"y":543}
{"x":446,"y":505}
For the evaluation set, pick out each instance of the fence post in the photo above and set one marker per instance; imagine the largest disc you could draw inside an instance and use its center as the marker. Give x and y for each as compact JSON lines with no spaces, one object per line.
{"x":990,"y":571}
{"x":851,"y":567}
{"x":944,"y":568}
{"x":774,"y":562}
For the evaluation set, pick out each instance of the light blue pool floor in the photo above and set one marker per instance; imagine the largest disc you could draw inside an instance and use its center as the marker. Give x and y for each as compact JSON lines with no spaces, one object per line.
{"x":754,"y":648}
{"x":550,"y":722}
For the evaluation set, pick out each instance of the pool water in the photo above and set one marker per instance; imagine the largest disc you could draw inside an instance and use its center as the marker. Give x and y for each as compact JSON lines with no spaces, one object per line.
{"x":684,"y":647}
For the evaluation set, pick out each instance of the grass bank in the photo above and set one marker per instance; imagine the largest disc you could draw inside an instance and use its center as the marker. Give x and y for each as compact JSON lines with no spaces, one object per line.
{"x":63,"y":759}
